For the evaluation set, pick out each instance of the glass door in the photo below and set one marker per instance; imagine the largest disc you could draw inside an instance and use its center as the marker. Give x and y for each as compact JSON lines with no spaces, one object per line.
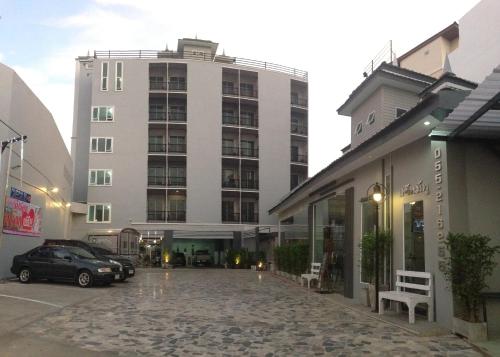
{"x":414,"y":236}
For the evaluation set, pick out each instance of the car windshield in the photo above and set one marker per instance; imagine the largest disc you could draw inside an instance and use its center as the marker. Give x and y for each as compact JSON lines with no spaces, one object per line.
{"x":80,"y":253}
{"x":101,"y":250}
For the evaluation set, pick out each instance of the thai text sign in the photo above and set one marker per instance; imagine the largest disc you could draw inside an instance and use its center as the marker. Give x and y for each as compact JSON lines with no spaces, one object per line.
{"x":22,"y":218}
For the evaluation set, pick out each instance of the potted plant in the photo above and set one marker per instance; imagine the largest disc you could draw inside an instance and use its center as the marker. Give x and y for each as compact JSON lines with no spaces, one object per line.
{"x":368,"y":261}
{"x":470,"y":262}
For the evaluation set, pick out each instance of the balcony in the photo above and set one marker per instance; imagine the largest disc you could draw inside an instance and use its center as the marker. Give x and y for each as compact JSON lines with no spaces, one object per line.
{"x":249,"y":217}
{"x":158,"y":84}
{"x":176,"y":181}
{"x":230,"y":217}
{"x":158,"y":115}
{"x":157,"y":148}
{"x":249,"y":152}
{"x":176,"y":216}
{"x":156,"y":216}
{"x":230,"y":182}
{"x":229,"y":119}
{"x":250,"y":184}
{"x":154,"y":180}
{"x":300,"y":102}
{"x":177,"y":116}
{"x":299,"y":128}
{"x":179,"y":86}
{"x":177,"y":148}
{"x":299,"y":158}
{"x":230,"y":150}
{"x":249,"y":122}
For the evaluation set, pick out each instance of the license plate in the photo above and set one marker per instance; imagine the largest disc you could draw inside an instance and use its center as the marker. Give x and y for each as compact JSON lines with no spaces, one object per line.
{"x":117,"y":276}
{"x":131,"y":271}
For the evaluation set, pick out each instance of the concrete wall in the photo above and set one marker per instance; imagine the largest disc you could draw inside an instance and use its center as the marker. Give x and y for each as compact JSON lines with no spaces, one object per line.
{"x":47,"y":163}
{"x":479,"y":49}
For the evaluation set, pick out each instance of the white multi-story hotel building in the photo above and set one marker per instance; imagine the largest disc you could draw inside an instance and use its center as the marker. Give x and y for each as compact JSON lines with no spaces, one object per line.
{"x":185,"y":145}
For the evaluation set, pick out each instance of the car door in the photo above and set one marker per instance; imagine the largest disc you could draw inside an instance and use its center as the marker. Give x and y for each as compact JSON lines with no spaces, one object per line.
{"x":40,"y":261}
{"x":63,"y":266}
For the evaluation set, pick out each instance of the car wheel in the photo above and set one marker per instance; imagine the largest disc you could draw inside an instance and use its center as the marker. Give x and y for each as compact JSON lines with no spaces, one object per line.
{"x":25,"y":275}
{"x":84,"y":279}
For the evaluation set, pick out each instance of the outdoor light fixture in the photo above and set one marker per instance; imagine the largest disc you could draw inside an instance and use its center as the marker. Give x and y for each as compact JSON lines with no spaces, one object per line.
{"x":110,"y":231}
{"x":44,"y":189}
{"x":68,"y":204}
{"x":237,"y":260}
{"x":427,"y":123}
{"x":54,"y":190}
{"x":376,"y":192}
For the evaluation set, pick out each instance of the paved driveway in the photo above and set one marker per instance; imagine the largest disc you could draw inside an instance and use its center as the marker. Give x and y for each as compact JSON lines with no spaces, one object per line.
{"x":226,"y":312}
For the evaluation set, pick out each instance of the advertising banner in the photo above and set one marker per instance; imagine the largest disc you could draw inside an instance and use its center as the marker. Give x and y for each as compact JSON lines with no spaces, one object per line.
{"x":22,"y":218}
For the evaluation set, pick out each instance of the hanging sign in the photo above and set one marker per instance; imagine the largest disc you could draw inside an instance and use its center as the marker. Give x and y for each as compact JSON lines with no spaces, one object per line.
{"x":22,"y":218}
{"x":20,"y":195}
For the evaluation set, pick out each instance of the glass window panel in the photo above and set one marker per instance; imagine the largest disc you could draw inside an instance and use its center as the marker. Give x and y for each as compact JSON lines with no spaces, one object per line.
{"x":109,"y":113}
{"x":94,"y":144}
{"x":101,"y":144}
{"x":91,"y":213}
{"x":106,"y":210}
{"x":92,"y":177}
{"x":414,"y":236}
{"x":95,"y":113}
{"x":98,"y":213}
{"x":107,"y":178}
{"x":102,"y":113}
{"x":119,"y":69}
{"x":100,"y":177}
{"x":108,"y":145}
{"x":105,"y":69}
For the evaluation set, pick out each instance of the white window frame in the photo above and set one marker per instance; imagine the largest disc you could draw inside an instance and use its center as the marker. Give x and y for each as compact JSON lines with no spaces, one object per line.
{"x":104,"y":78}
{"x":359,"y":128}
{"x":97,"y":145}
{"x":108,"y":205}
{"x":104,"y":184}
{"x":372,"y":120}
{"x":99,"y":107}
{"x":396,"y":112}
{"x":118,"y":77}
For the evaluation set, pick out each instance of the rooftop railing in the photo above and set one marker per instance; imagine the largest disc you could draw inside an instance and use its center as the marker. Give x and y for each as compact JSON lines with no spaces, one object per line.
{"x":192,"y":55}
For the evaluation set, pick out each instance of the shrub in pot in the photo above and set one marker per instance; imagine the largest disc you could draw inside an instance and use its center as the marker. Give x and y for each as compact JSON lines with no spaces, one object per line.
{"x":470,"y":262}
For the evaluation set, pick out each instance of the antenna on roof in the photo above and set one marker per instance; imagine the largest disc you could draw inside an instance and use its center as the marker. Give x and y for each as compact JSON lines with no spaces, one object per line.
{"x":196,"y":36}
{"x":166,"y":47}
{"x":223,"y":52}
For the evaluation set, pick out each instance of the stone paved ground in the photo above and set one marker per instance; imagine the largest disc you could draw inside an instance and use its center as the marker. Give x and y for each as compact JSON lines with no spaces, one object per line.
{"x":228,"y":313}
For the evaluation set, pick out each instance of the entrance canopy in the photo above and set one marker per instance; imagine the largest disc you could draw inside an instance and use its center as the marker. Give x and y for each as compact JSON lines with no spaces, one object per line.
{"x":478,"y":115}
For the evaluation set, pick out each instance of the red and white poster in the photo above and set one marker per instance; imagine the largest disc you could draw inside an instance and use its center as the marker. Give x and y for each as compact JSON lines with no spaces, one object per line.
{"x":22,"y":218}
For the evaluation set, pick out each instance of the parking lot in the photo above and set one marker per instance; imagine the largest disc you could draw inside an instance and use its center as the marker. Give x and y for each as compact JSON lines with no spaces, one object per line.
{"x":186,"y":312}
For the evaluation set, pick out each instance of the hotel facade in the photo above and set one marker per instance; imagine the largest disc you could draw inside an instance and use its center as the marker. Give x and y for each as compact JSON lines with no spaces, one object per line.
{"x":186,"y":148}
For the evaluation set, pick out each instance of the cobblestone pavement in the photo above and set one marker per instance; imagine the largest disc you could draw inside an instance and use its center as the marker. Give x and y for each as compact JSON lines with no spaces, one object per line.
{"x":186,"y":312}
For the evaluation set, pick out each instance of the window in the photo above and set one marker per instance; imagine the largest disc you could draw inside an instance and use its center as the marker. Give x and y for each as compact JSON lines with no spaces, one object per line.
{"x":400,"y":112}
{"x":99,"y":213}
{"x":177,"y":83}
{"x":42,"y":252}
{"x":104,"y":75}
{"x":119,"y":76}
{"x":359,"y":128}
{"x":371,"y":118}
{"x":103,"y":113}
{"x":247,"y":89}
{"x":101,"y":145}
{"x":100,"y":177}
{"x":228,"y":87}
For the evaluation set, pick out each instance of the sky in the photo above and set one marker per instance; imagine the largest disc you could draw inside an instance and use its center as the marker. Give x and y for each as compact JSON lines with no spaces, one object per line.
{"x":333,"y":40}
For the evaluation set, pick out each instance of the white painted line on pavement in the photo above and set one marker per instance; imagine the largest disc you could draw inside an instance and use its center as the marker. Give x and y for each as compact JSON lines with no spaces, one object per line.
{"x":32,"y":300}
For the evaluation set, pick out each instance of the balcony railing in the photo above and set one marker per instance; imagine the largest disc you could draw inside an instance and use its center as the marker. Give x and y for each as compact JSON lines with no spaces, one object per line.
{"x":154,"y":147}
{"x":300,"y":129}
{"x":249,"y":152}
{"x":156,"y":216}
{"x":250,"y":184}
{"x":148,"y":54}
{"x":230,"y":150}
{"x":249,"y":217}
{"x":158,"y":115}
{"x":177,"y":148}
{"x":251,"y":93}
{"x":230,"y":182}
{"x":157,"y":180}
{"x":301,"y":102}
{"x":230,"y":91}
{"x":176,"y":181}
{"x":158,"y":84}
{"x":177,"y":86}
{"x":299,"y":158}
{"x":229,"y":119}
{"x":230,"y":217}
{"x":176,"y":216}
{"x":249,"y":122}
{"x":176,"y":116}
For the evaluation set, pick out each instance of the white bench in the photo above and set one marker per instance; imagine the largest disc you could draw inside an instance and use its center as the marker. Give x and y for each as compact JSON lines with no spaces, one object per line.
{"x":314,"y":275}
{"x":410,"y":299}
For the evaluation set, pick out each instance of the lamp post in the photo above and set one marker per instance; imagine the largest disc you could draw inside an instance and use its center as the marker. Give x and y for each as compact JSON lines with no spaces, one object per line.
{"x":377,"y":195}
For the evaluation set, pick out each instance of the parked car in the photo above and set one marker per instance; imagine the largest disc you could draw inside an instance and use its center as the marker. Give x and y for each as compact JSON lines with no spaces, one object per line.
{"x":202,"y":257}
{"x":178,"y":260}
{"x":128,"y":269}
{"x":63,"y":263}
